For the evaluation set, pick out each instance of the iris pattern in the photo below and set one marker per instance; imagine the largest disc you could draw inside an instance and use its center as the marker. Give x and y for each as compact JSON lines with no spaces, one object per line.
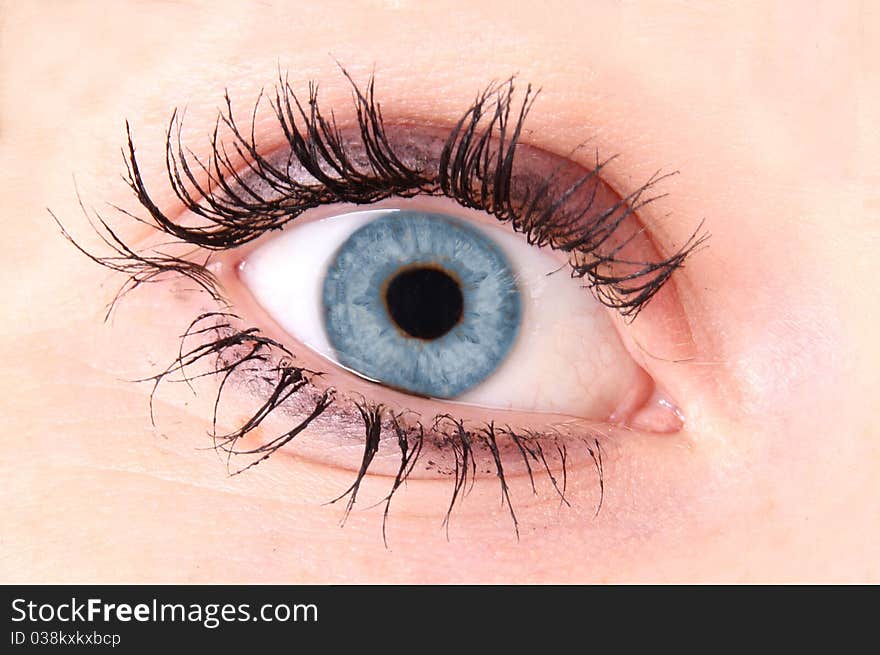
{"x":422,"y":302}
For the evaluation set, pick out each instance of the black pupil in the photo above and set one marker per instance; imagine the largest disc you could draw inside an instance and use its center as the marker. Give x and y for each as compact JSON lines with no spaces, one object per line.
{"x":424,"y":302}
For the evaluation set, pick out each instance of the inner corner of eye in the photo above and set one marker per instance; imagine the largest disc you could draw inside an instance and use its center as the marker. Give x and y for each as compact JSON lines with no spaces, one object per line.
{"x":433,"y":304}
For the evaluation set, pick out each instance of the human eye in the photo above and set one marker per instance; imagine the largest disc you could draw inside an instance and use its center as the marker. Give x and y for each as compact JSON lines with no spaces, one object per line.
{"x":431,"y":305}
{"x":448,"y":299}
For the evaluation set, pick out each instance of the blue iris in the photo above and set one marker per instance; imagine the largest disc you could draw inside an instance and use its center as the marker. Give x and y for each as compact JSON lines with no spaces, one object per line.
{"x":479,"y":285}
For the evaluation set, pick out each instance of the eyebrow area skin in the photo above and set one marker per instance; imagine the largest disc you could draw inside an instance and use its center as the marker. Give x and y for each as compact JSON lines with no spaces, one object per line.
{"x":774,"y":475}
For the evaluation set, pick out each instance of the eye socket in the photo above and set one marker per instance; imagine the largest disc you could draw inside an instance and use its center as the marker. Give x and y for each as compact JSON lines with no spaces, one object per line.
{"x":563,"y":228}
{"x":443,"y":304}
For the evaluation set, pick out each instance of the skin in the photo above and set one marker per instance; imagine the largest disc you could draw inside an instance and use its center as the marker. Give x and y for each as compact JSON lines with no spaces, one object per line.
{"x":765,"y":111}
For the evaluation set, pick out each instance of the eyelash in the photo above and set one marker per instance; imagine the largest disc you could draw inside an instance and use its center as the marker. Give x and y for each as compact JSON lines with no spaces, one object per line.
{"x":475,"y":169}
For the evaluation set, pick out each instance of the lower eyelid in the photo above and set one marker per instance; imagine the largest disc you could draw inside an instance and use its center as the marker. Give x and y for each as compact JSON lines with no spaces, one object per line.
{"x":531,"y":455}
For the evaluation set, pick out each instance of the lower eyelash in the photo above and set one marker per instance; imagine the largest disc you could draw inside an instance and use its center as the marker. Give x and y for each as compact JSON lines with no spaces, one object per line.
{"x":228,"y":350}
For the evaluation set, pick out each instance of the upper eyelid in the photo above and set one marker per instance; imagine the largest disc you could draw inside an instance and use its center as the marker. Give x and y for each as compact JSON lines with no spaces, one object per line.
{"x":320,"y":138}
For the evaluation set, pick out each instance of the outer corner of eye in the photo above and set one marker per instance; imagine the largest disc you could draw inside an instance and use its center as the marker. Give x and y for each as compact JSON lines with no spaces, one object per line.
{"x":436,"y":305}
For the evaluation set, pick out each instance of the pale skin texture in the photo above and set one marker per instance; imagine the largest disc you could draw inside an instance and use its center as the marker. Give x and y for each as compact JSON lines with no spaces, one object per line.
{"x":768,"y":113}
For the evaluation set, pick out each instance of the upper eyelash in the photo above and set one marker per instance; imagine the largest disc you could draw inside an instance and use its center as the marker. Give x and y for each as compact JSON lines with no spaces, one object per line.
{"x":475,"y":169}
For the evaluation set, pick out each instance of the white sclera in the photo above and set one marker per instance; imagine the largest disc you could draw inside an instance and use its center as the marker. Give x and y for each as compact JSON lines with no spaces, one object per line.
{"x":567,"y":359}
